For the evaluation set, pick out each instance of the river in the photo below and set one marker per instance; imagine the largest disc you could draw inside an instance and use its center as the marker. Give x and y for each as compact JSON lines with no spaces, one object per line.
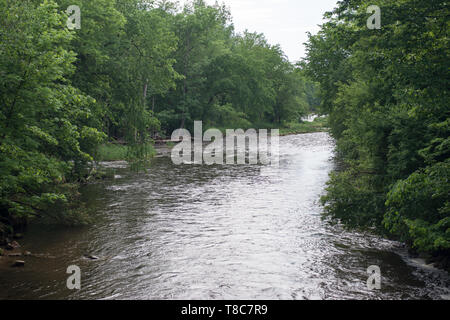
{"x":218,"y":232}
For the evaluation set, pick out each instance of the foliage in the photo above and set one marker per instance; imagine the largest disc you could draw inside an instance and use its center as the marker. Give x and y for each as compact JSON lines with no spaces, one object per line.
{"x":386,"y":92}
{"x":135,"y":70}
{"x":111,"y":152}
{"x":419,"y":208}
{"x":228,"y":80}
{"x":318,"y":125}
{"x":44,"y":138}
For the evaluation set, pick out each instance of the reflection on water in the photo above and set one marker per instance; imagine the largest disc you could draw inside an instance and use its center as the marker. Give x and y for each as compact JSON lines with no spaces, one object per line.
{"x":218,"y":232}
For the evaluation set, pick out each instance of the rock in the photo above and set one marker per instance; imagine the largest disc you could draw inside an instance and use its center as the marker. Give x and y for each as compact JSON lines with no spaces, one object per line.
{"x":15,"y":254}
{"x":91,"y":257}
{"x":19,"y":263}
{"x":12,"y":245}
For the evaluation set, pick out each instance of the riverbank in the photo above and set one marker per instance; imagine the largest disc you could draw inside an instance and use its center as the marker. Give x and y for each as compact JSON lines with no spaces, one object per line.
{"x":11,"y":253}
{"x":115,"y":151}
{"x":120,"y":152}
{"x":219,"y":232}
{"x":319,"y":124}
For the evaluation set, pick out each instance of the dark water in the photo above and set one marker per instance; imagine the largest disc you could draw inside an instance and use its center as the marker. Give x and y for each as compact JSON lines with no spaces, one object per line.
{"x":220,"y":232}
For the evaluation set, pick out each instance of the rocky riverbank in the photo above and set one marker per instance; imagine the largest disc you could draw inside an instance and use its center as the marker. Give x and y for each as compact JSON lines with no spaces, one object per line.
{"x":11,"y":253}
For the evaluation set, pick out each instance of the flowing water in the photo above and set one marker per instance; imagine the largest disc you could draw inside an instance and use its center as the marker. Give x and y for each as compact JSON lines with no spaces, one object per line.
{"x":218,"y":232}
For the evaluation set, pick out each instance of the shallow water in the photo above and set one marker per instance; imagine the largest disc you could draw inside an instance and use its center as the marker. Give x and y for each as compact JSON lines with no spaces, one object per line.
{"x":218,"y":232}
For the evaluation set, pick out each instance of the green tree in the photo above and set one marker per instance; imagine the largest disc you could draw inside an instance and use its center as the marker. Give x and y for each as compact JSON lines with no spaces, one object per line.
{"x":386,"y":94}
{"x":45,"y":135}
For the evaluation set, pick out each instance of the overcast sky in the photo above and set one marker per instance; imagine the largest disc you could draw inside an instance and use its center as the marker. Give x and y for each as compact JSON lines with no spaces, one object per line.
{"x":284,"y":22}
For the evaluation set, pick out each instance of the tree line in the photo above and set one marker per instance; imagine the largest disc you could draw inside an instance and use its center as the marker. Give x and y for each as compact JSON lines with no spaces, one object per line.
{"x":133,"y":71}
{"x":386,"y":92}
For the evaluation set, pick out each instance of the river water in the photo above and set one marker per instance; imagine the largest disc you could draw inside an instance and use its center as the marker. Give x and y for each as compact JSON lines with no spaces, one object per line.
{"x":218,"y":232}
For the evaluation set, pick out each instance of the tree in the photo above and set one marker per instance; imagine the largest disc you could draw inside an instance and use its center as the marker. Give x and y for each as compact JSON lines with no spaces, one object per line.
{"x":385,"y":92}
{"x":45,"y":136}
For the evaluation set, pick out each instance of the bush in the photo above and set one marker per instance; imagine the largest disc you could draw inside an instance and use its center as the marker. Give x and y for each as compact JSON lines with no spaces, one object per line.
{"x":418,"y":208}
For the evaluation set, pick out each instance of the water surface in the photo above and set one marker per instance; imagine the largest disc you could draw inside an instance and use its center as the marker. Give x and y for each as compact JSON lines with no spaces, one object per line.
{"x":218,"y":232}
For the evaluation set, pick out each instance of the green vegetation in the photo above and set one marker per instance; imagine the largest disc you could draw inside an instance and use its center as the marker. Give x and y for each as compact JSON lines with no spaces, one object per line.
{"x":112,"y":152}
{"x":46,"y":131}
{"x":286,"y":128}
{"x":386,"y":92}
{"x":119,"y":152}
{"x":318,"y":125}
{"x":135,"y":70}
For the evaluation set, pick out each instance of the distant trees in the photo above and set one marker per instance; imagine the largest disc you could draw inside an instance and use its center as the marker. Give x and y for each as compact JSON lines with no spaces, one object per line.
{"x":387,"y":95}
{"x":134,"y":68}
{"x":227,"y":79}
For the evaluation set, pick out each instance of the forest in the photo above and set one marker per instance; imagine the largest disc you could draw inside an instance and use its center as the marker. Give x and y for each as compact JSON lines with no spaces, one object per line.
{"x":386,"y":92}
{"x":132,"y":72}
{"x":137,"y":70}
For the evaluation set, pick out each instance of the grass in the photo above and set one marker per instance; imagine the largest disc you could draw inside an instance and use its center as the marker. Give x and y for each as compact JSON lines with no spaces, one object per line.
{"x":112,"y":152}
{"x":170,"y":144}
{"x":318,"y":125}
{"x":118,"y":152}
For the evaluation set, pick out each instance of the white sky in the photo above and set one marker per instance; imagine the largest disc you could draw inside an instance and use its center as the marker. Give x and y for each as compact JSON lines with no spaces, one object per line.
{"x":283,"y":22}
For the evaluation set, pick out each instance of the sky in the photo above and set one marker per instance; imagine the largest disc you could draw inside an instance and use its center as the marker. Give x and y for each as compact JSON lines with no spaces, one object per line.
{"x":284,"y":22}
